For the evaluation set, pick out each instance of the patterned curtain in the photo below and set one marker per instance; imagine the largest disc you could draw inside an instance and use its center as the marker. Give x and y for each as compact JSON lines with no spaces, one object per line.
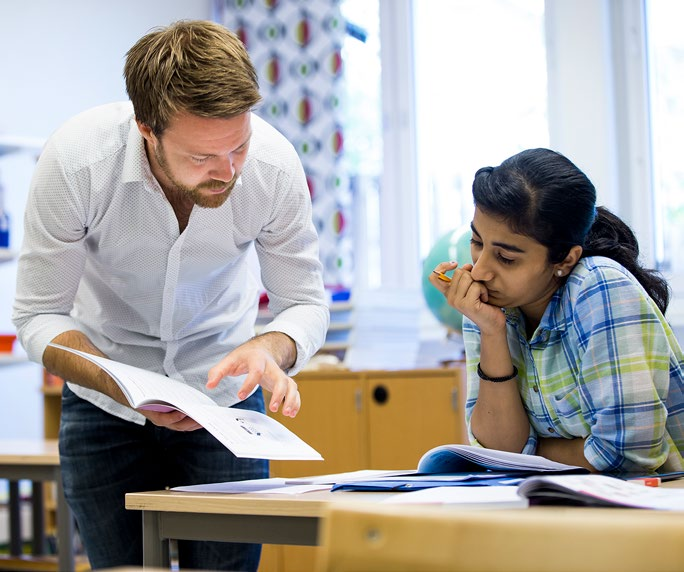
{"x":296,"y":47}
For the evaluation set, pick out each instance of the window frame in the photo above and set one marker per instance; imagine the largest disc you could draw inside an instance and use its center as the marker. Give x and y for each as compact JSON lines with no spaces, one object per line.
{"x":598,"y":90}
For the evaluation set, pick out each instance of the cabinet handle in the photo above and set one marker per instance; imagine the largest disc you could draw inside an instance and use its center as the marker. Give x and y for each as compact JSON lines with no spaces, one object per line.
{"x":454,"y":399}
{"x":380,"y":394}
{"x":358,"y":400}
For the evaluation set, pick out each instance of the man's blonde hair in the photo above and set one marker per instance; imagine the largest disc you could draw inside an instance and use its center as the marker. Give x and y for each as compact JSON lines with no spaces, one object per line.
{"x":192,"y":66}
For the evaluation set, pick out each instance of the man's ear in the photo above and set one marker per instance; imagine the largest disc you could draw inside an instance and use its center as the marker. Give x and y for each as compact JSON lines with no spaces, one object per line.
{"x":146,"y":131}
{"x":564,"y":268}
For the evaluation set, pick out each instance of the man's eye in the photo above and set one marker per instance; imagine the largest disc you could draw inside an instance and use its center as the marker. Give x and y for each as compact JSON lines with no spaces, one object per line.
{"x":199,"y":160}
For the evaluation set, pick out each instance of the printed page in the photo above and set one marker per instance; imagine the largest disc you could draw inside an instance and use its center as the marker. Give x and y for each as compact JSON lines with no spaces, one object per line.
{"x":602,"y":489}
{"x":465,"y":497}
{"x":143,"y":387}
{"x":248,"y":434}
{"x":251,"y":434}
{"x":248,"y":486}
{"x":273,"y":485}
{"x":350,"y":476}
{"x":461,"y":458}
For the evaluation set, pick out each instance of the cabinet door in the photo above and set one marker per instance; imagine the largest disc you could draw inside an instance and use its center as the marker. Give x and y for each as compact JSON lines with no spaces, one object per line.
{"x":330,"y":420}
{"x":409,"y":412}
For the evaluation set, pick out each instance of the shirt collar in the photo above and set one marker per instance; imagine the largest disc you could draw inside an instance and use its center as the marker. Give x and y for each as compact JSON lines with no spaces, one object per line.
{"x":552,"y":320}
{"x":135,"y":164}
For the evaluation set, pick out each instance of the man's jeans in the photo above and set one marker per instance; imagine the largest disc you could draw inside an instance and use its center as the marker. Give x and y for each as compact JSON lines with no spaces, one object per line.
{"x":103,"y":458}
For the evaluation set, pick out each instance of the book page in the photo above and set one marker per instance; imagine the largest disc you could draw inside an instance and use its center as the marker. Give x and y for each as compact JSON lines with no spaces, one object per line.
{"x":230,"y":487}
{"x":252,"y":434}
{"x":465,"y":497}
{"x":461,"y":458}
{"x":603,"y":490}
{"x":143,"y":387}
{"x":246,"y":433}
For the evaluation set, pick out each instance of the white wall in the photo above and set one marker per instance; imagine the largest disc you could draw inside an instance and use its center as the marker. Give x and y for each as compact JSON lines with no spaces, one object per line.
{"x":58,"y":58}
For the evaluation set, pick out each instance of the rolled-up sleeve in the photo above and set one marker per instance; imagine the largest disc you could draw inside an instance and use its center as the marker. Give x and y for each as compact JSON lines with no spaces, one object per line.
{"x":52,"y":257}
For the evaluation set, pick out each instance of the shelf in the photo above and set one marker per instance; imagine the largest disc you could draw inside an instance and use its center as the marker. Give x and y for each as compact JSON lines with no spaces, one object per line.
{"x":7,"y":254}
{"x":340,"y":307}
{"x":11,"y":359}
{"x":14,"y":143}
{"x":38,"y":563}
{"x":335,"y":346}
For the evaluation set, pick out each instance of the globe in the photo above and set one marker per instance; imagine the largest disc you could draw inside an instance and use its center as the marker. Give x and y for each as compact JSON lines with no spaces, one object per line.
{"x":454,"y":245}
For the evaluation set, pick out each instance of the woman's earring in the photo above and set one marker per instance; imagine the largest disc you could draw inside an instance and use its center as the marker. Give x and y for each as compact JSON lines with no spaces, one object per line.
{"x":559,"y":273}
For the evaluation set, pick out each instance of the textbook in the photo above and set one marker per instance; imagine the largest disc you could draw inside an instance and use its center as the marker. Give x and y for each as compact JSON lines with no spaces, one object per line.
{"x":459,"y":458}
{"x":247,"y":434}
{"x":598,"y":491}
{"x":464,"y":465}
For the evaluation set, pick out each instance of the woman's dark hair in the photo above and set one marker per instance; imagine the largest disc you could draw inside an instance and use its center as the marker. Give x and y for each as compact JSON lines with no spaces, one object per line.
{"x":542,"y":194}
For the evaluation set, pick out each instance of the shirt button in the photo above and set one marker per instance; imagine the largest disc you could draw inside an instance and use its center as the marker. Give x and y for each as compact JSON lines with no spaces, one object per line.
{"x":552,"y":430}
{"x":535,"y":389}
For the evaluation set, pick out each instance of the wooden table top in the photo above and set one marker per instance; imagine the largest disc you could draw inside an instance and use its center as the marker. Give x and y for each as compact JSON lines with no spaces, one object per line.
{"x":310,"y":504}
{"x":29,"y":452}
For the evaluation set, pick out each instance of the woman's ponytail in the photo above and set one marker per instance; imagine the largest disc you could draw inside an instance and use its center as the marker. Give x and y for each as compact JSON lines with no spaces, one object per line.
{"x":609,"y":236}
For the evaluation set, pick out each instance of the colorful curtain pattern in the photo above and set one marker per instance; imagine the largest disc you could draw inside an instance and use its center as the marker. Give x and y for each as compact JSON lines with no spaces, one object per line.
{"x":296,"y":47}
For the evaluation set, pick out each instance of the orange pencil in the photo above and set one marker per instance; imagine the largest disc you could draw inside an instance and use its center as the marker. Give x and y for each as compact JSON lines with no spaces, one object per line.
{"x":443,"y":277}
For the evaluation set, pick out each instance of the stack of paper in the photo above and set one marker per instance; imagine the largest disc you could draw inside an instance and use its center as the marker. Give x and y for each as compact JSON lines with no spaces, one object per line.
{"x":386,"y":330}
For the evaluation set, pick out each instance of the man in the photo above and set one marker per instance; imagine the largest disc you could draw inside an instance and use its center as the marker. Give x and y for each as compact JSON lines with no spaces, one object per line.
{"x":139,"y":222}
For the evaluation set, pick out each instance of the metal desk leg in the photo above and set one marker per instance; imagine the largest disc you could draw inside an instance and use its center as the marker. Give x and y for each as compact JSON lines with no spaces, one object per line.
{"x":15,"y":547}
{"x":155,"y":548}
{"x":38,"y":518}
{"x":65,"y":530}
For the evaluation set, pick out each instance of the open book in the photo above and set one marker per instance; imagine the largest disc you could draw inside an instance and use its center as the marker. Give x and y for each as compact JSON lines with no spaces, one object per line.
{"x":465,"y":465}
{"x":246,"y":433}
{"x":598,"y":490}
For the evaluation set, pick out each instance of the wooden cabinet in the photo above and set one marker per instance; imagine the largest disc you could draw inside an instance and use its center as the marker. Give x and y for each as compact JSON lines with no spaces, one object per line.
{"x":411,"y":412}
{"x":368,"y":420}
{"x":331,"y":421}
{"x":374,"y":419}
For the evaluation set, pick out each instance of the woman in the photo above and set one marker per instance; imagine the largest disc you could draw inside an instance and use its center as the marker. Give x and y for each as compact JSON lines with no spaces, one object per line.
{"x":568,"y":353}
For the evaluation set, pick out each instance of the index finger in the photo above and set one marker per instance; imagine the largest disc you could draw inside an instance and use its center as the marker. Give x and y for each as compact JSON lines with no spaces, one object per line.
{"x":249,"y":384}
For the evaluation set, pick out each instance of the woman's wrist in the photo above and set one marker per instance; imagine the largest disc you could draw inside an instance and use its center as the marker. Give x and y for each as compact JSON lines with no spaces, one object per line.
{"x":496,"y":379}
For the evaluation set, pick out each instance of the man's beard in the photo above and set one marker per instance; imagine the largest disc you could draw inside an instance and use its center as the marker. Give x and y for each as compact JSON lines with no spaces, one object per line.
{"x":195,"y":194}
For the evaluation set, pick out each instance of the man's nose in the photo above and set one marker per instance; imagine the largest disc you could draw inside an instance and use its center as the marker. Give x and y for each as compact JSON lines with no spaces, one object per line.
{"x":224,"y":169}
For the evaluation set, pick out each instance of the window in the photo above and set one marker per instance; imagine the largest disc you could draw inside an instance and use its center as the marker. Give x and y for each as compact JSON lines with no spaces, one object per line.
{"x":480,"y":97}
{"x":363,"y":133}
{"x":451,"y":89}
{"x":666,"y":70}
{"x":478,"y":72}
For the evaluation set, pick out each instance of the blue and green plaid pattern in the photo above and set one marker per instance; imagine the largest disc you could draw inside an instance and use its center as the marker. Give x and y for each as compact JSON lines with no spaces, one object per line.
{"x":602,"y":365}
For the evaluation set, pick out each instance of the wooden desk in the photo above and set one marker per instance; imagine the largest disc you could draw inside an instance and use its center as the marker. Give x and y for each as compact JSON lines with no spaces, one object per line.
{"x":263,"y":519}
{"x":384,"y":537}
{"x":38,"y":461}
{"x":283,"y":519}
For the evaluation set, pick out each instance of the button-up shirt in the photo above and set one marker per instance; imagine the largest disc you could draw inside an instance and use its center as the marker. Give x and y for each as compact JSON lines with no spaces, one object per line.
{"x":604,"y":365}
{"x":103,"y":254}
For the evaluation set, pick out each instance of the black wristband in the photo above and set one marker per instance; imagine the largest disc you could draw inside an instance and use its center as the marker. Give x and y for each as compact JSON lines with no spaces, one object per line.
{"x":497,"y":379}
